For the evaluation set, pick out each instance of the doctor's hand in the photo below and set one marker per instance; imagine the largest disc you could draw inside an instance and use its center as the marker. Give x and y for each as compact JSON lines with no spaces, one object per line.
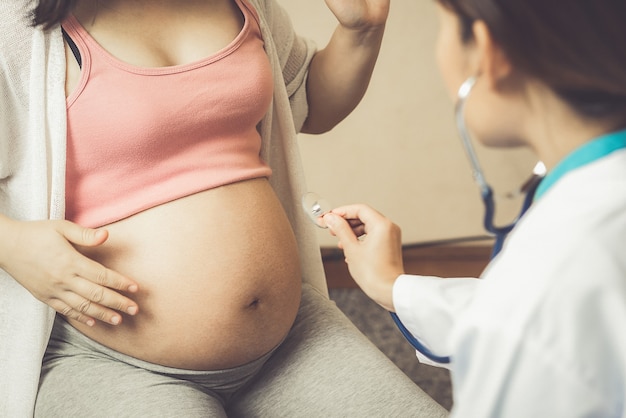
{"x":372,"y":246}
{"x":360,"y":14}
{"x":40,"y":255}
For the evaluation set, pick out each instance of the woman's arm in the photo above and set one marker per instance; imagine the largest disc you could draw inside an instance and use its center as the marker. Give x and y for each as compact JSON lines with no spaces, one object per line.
{"x":340,"y":73}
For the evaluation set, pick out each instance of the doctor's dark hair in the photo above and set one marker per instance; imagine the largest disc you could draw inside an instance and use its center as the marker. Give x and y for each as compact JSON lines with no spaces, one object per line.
{"x":576,"y":47}
{"x":51,"y":12}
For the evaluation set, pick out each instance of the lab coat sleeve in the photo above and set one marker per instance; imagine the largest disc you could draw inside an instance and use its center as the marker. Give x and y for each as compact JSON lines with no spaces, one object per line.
{"x":429,"y":307}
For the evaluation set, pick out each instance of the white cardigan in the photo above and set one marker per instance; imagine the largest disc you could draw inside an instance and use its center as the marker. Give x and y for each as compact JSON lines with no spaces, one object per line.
{"x":32,"y":167}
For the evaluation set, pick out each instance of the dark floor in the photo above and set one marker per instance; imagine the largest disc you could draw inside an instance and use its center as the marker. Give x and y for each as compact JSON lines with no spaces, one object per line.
{"x":377,"y":325}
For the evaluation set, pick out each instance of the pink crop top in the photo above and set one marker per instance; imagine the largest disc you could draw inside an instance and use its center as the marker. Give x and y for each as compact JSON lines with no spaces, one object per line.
{"x":140,"y":137}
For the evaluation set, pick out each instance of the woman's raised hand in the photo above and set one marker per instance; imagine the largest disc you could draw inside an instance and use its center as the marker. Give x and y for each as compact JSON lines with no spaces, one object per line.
{"x":372,"y":246}
{"x":340,"y":72}
{"x":40,"y":255}
{"x":360,"y":14}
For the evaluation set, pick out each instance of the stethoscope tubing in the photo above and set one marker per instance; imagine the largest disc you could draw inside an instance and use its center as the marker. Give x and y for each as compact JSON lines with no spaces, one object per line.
{"x":499,"y":232}
{"x":417,"y":344}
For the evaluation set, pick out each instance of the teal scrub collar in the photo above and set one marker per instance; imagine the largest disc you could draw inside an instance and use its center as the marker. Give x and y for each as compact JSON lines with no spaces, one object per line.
{"x":585,"y":154}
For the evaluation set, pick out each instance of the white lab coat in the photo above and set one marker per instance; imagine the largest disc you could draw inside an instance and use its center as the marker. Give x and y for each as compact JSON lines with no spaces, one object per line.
{"x":543,"y":334}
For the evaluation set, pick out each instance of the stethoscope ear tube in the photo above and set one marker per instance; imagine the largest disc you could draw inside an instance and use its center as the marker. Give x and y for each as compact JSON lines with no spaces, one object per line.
{"x":459,"y":110}
{"x":486,"y":192}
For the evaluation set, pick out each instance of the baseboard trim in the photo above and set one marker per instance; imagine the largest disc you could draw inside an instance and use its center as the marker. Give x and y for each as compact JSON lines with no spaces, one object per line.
{"x":452,"y":260}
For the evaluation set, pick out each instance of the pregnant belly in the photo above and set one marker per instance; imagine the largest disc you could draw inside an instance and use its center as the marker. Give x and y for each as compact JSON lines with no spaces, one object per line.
{"x":219,"y":278}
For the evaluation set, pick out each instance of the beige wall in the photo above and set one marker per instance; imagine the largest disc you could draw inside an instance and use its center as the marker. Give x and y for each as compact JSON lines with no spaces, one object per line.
{"x":399,"y":150}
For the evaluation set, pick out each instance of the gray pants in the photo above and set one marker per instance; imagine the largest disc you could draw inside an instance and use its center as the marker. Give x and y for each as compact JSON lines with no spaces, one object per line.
{"x":324,"y":368}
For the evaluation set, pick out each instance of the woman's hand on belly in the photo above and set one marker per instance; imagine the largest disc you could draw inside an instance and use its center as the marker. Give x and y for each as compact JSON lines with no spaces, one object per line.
{"x":41,"y":256}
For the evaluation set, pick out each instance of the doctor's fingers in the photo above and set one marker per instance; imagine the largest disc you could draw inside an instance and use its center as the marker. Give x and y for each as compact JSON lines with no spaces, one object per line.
{"x":358,"y":228}
{"x":363,"y":216}
{"x":340,"y":228}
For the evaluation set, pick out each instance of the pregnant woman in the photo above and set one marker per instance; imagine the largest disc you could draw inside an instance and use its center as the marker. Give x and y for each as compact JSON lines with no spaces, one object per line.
{"x":154,"y":207}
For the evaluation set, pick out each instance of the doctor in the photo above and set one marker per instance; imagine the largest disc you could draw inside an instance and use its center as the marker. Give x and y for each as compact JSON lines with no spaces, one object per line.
{"x":543,"y":333}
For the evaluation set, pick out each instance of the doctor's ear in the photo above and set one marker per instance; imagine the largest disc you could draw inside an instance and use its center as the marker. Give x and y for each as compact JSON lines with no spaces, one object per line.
{"x":489,"y":59}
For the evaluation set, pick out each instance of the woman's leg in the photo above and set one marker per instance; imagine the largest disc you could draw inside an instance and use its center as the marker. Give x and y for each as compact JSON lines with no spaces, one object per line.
{"x":81,"y":378}
{"x":327,"y":368}
{"x":83,"y":387}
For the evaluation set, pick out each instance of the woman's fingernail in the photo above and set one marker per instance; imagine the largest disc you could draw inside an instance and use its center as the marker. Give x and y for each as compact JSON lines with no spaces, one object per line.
{"x":132,"y":288}
{"x":116,"y":320}
{"x":132,"y":310}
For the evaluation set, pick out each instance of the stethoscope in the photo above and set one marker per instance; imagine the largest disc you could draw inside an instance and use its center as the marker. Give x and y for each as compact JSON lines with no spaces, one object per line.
{"x":499,"y":232}
{"x":316,"y":207}
{"x":486,"y":192}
